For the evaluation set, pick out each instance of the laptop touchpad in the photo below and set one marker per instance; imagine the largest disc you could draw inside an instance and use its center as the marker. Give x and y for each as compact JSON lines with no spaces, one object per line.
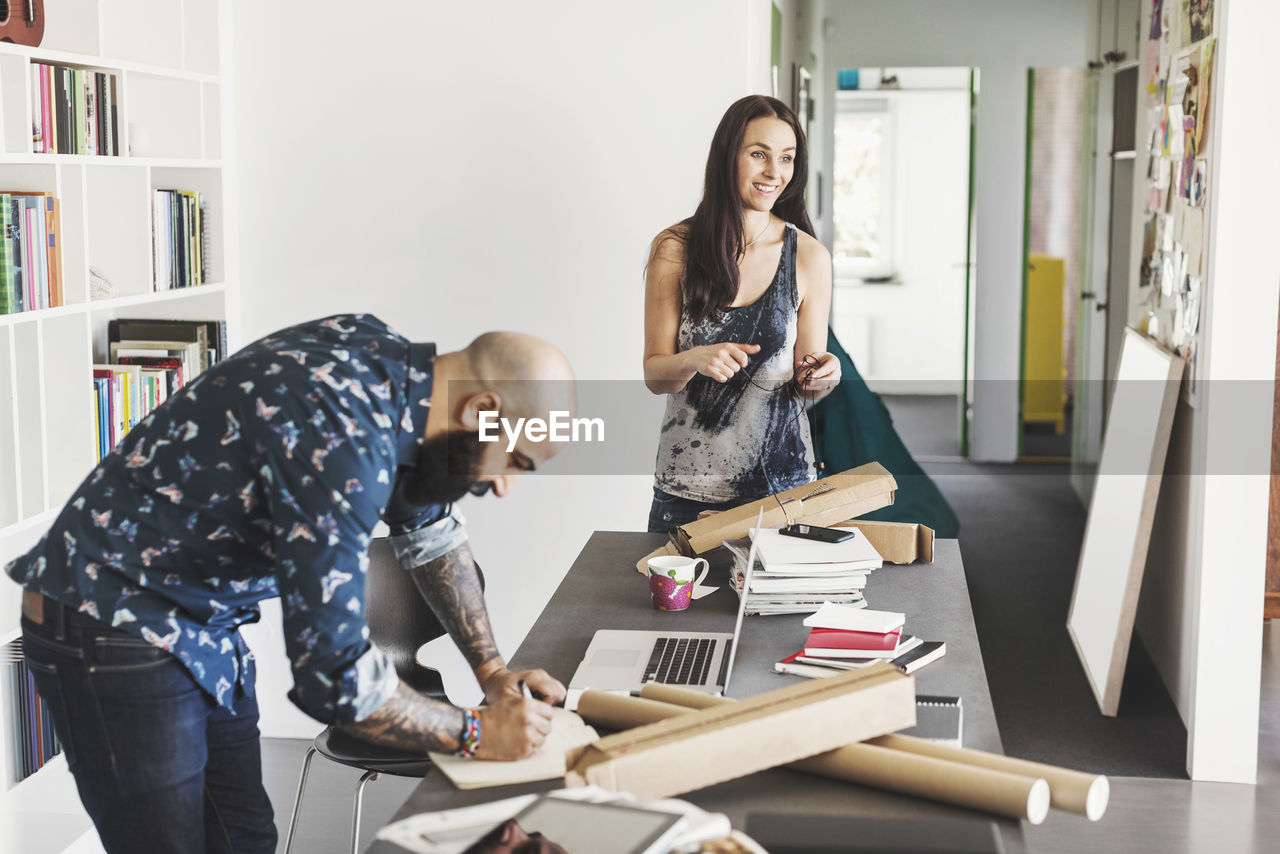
{"x":615,"y":657}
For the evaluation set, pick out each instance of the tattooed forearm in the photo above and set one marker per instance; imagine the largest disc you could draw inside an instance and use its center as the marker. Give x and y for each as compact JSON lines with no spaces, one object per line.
{"x":410,"y":721}
{"x":452,"y":588}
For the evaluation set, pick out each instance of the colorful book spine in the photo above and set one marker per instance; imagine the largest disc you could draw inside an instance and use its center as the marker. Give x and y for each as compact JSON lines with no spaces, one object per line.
{"x":46,"y":106}
{"x":8,"y":299}
{"x":53,"y":223}
{"x":37,"y":113}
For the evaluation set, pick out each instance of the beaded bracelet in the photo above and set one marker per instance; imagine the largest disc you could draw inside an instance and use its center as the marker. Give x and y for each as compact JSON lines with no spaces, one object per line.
{"x":470,"y":733}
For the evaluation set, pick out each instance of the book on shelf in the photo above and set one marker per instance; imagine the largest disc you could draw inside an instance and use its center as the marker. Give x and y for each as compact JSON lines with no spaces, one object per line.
{"x":136,"y":351}
{"x":177,"y":228}
{"x":24,"y":718}
{"x":73,"y":110}
{"x":211,"y":335}
{"x":30,"y":253}
{"x":123,"y":396}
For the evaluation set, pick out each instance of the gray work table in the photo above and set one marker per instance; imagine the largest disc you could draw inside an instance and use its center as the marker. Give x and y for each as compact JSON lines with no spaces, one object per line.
{"x":602,"y":589}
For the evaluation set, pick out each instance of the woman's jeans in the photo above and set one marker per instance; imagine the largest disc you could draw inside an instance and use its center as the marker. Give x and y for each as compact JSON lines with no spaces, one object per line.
{"x":159,"y":765}
{"x":669,"y":512}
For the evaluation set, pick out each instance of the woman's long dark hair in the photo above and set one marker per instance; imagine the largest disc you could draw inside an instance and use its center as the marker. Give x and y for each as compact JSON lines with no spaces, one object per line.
{"x":713,"y":236}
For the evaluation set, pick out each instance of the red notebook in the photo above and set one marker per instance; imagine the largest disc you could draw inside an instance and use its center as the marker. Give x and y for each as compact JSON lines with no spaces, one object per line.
{"x":840,"y":643}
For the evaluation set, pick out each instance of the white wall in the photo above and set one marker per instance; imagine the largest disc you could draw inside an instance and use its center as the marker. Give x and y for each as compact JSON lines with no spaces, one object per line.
{"x":1002,"y":38}
{"x":455,"y":170}
{"x":1202,"y":597}
{"x":910,"y":334}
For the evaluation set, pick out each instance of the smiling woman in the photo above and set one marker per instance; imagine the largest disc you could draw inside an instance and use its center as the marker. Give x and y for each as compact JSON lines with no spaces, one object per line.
{"x":736,"y":304}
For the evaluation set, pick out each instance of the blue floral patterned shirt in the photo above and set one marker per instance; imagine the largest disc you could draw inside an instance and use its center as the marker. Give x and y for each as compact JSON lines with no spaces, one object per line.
{"x":263,"y":477}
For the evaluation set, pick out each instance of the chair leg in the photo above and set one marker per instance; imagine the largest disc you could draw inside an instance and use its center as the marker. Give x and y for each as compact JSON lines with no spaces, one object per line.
{"x":355,"y":822}
{"x":297,"y":801}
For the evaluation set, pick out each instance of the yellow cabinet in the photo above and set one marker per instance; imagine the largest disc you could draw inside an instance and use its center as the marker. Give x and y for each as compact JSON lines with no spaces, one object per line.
{"x":1044,"y":374}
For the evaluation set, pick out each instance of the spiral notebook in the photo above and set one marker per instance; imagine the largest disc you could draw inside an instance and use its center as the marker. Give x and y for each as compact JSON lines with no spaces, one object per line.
{"x":938,"y":718}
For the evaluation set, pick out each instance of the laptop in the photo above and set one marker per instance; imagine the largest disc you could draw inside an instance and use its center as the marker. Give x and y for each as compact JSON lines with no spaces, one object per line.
{"x":622,"y":660}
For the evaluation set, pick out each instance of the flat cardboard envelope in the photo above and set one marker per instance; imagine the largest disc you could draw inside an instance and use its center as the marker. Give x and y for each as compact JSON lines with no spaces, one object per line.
{"x":897,"y":542}
{"x":844,"y":495}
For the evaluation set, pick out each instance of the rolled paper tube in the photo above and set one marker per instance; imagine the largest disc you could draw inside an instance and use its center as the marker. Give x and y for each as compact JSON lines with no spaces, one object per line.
{"x":996,"y":792}
{"x":617,"y":712}
{"x":1071,"y":791}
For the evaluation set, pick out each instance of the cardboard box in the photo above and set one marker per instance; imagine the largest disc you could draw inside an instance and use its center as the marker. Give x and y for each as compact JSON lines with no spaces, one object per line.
{"x":705,"y":747}
{"x":851,"y":493}
{"x":897,"y":542}
{"x":845,"y":495}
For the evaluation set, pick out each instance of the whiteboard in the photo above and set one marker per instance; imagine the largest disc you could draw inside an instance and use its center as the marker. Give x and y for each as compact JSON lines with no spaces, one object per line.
{"x":1118,"y":530}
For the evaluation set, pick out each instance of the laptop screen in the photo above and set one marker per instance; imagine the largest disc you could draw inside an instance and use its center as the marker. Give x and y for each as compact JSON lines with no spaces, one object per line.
{"x":742,"y":602}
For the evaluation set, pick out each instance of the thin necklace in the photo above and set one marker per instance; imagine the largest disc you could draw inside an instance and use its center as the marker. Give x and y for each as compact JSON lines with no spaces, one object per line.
{"x":757,"y":237}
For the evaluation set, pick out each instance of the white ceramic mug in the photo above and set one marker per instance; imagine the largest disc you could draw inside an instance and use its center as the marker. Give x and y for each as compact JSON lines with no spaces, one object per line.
{"x":679,"y":567}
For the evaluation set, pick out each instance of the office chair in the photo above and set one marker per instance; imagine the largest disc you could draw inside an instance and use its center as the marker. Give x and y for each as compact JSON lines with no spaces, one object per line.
{"x":400,"y":622}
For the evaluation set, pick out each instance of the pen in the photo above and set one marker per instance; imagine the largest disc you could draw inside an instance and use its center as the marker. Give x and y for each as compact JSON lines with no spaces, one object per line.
{"x":524,"y":689}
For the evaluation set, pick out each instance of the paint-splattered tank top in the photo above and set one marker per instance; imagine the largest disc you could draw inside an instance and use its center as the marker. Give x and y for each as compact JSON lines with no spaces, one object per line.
{"x":748,"y":437}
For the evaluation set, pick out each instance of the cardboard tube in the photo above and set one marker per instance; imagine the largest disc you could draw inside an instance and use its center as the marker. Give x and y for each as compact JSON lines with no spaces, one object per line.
{"x":996,"y":792}
{"x":617,"y":712}
{"x":1072,"y":791}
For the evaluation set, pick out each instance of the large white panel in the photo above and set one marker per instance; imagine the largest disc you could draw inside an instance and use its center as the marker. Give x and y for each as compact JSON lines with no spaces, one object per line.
{"x":1117,"y":536}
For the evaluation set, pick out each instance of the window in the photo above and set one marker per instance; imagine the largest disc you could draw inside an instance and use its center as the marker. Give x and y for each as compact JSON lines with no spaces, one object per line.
{"x":862,"y":210}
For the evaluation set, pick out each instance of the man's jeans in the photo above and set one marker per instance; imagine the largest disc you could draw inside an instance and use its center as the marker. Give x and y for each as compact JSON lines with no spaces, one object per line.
{"x":159,"y":765}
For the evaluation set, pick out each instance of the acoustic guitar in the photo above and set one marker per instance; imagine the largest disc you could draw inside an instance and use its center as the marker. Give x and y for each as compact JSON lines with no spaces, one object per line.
{"x":22,"y":22}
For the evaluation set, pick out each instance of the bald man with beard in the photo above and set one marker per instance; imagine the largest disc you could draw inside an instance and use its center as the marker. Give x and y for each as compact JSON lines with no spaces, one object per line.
{"x":265,"y":477}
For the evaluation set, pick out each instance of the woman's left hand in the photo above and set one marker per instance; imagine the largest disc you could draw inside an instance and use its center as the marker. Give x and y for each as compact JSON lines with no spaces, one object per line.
{"x":818,"y":372}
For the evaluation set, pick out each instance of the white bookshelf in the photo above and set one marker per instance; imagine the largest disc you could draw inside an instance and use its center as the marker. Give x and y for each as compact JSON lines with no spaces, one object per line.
{"x":170,"y":61}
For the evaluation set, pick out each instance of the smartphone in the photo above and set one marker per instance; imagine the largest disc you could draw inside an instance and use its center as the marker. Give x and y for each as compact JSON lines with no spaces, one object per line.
{"x":813,"y":532}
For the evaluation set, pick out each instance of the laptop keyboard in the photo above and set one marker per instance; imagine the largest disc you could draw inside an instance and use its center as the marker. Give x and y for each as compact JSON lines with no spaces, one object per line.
{"x":680,"y":661}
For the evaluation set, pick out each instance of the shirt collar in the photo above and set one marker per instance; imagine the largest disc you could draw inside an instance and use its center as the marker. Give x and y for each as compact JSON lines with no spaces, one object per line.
{"x":422,"y":361}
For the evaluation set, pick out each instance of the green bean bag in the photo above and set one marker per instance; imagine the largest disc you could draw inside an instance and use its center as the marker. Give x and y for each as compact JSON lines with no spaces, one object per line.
{"x":851,"y":426}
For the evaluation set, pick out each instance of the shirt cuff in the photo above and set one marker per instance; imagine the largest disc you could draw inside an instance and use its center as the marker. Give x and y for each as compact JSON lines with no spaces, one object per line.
{"x":360,"y":689}
{"x":414,"y":548}
{"x":376,"y":682}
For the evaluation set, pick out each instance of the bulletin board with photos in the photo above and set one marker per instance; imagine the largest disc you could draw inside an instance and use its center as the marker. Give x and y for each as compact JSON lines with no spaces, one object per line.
{"x":1177,"y":77}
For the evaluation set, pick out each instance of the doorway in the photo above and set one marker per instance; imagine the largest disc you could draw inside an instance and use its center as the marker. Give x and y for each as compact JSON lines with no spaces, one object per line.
{"x":1055,"y":196}
{"x":901,"y":244}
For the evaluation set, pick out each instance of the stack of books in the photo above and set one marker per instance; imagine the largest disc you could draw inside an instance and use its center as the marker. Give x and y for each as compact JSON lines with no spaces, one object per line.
{"x":149,"y":360}
{"x":842,"y":638}
{"x":796,"y":576}
{"x":73,"y":110}
{"x":30,"y":251}
{"x":177,"y":239}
